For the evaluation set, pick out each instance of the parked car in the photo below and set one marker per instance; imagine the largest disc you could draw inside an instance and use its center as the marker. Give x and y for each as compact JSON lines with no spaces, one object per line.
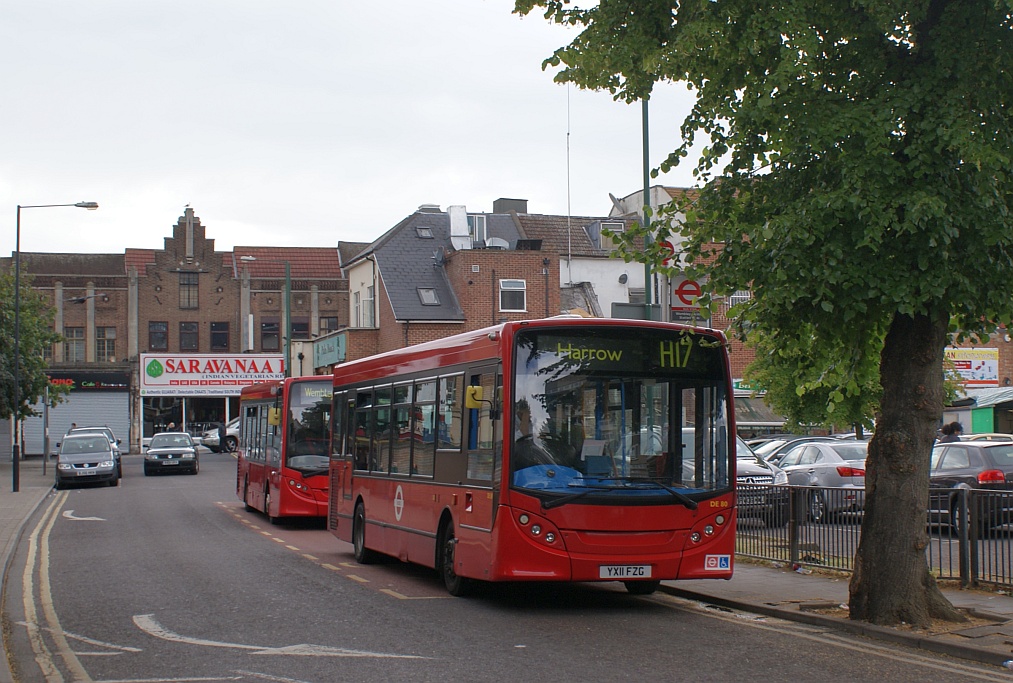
{"x":210,"y":438}
{"x":978,"y":465}
{"x":774,"y":449}
{"x":836,"y":470}
{"x":762,"y":490}
{"x":171,"y":452}
{"x":86,"y":458}
{"x":113,"y":441}
{"x":987,"y":436}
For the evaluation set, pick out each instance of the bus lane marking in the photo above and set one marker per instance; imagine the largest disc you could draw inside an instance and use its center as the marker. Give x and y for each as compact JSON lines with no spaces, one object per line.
{"x":148,"y":624}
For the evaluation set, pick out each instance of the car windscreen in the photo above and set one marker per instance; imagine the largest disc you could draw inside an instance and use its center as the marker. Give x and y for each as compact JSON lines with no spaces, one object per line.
{"x":852,"y":452}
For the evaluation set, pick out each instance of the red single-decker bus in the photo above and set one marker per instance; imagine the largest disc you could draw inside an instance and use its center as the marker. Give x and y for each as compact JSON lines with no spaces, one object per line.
{"x":546,"y":450}
{"x":284,"y":439}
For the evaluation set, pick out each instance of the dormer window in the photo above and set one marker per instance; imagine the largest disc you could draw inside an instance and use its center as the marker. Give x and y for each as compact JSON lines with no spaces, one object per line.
{"x":424,"y":233}
{"x":476,"y":228}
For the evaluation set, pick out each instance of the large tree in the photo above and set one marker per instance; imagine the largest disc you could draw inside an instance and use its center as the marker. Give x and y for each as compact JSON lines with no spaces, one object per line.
{"x":35,"y":333}
{"x":856,"y":177}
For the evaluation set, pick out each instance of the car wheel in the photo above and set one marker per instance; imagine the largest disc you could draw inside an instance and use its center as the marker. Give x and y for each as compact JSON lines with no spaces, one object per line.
{"x":231,"y":444}
{"x":147,"y":472}
{"x":58,"y":485}
{"x":196,"y":467}
{"x":114,"y":481}
{"x":214,"y":449}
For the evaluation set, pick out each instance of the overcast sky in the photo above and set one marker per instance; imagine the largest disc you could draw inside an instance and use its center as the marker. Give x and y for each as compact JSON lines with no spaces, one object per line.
{"x":297,"y":123}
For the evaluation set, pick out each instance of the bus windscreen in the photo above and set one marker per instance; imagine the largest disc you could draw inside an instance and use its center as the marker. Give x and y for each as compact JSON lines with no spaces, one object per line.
{"x":610,"y":413}
{"x":308,"y":443}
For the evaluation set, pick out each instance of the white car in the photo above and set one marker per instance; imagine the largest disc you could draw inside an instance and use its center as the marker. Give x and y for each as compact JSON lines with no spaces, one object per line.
{"x":210,"y":437}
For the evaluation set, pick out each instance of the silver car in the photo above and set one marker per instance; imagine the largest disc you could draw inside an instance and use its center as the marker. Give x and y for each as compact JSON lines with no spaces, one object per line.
{"x":835,"y":470}
{"x":86,"y":459}
{"x":210,"y":438}
{"x":113,"y":441}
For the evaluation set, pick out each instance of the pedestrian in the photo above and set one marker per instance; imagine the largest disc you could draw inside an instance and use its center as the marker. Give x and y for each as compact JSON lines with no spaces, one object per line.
{"x":73,"y":426}
{"x":951,"y":432}
{"x":171,"y":427}
{"x":222,"y":433}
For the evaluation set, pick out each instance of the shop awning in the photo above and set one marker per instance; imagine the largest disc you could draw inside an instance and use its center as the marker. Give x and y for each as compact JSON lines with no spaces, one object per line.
{"x":753,"y":412}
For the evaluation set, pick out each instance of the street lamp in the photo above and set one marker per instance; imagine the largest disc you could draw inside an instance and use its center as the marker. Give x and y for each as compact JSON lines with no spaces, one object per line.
{"x":16,"y":413}
{"x":288,"y":307}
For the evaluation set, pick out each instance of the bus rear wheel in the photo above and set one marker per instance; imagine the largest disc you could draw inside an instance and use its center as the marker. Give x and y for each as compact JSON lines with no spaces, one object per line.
{"x":641,"y":587}
{"x":363,"y":555}
{"x":457,"y":586}
{"x":246,"y":495}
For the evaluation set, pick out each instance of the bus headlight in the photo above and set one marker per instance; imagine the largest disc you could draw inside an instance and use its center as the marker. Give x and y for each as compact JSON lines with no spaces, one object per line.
{"x":536,"y":530}
{"x":695,"y":537}
{"x":708,"y":530}
{"x":550,"y":537}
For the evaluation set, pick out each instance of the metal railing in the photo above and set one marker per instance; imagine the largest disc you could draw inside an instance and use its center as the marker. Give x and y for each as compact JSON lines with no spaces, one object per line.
{"x":970,"y":538}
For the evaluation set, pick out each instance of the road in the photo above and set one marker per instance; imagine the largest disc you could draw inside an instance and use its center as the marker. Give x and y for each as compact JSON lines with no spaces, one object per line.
{"x":170,"y":579}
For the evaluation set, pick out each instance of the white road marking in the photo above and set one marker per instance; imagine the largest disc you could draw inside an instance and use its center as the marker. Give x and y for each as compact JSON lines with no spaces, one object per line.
{"x":268,"y":677}
{"x":69,"y":514}
{"x":147,"y":623}
{"x":92,"y":641}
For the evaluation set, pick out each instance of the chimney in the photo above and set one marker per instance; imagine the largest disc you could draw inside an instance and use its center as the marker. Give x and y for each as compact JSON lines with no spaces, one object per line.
{"x":507,"y":205}
{"x":460,"y":238}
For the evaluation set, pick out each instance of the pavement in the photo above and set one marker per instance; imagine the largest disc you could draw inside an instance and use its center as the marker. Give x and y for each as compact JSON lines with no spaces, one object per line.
{"x":774,"y":591}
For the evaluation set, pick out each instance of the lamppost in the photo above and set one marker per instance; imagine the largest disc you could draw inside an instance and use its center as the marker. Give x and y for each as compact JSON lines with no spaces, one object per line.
{"x":16,"y":412}
{"x":288,"y":307}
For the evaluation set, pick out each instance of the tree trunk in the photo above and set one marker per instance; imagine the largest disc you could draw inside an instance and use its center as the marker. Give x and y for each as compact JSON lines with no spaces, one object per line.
{"x":892,"y":583}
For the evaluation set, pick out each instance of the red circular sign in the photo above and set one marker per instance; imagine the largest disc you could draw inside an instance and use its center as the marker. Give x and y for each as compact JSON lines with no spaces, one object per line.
{"x":687,"y":291}
{"x":670,"y":248}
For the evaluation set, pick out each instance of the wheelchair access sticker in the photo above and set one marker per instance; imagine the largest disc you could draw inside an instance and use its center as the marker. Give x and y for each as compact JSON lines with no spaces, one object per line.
{"x":716,"y":563}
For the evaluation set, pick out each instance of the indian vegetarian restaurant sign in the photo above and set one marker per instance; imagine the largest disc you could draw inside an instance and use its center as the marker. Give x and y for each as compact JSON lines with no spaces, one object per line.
{"x":166,"y":374}
{"x":976,"y":367}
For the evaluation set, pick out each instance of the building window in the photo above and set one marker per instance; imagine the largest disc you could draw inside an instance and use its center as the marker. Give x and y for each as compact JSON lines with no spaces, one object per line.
{"x":188,"y":290}
{"x":428,"y":297}
{"x":300,"y":327}
{"x":328,"y":324}
{"x":424,"y":233}
{"x":269,"y":338}
{"x":513,"y":295}
{"x":219,"y":336}
{"x":73,"y":347}
{"x":476,"y":228}
{"x":363,"y":302}
{"x":189,"y":333}
{"x":607,"y":243}
{"x":158,"y":336}
{"x":105,"y":344}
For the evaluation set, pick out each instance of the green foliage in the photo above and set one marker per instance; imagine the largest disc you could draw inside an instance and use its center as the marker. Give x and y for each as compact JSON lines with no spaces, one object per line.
{"x":35,"y":334}
{"x":856,"y":167}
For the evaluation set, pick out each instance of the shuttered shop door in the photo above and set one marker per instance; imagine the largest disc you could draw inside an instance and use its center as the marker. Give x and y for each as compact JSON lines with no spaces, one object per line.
{"x":88,"y":409}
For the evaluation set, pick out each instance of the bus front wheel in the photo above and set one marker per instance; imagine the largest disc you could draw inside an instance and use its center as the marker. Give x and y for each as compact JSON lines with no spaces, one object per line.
{"x":267,"y":507}
{"x":457,"y":586}
{"x":363,"y":555}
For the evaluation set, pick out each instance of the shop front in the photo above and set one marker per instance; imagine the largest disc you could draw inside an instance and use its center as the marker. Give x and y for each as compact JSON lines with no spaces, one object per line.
{"x":194,"y":392}
{"x":95,"y":399}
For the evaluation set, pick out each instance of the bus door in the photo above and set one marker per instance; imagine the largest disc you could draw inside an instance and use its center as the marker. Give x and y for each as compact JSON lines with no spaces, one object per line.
{"x":272,"y":450}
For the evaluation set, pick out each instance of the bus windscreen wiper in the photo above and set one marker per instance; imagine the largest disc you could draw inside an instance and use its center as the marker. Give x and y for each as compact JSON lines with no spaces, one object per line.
{"x":678,"y":495}
{"x":557,"y":502}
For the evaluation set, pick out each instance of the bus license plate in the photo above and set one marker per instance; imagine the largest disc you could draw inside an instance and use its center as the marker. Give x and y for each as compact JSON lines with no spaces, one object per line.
{"x":624,"y":571}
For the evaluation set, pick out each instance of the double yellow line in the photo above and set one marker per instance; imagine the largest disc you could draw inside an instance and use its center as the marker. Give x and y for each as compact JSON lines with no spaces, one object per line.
{"x":38,"y":559}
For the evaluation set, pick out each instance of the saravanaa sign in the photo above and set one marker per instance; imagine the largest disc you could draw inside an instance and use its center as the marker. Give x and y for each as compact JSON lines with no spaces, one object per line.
{"x":976,"y":367}
{"x":165,"y":374}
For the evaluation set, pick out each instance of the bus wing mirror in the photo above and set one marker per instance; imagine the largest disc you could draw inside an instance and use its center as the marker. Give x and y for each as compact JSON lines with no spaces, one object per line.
{"x":473,"y":397}
{"x":274,"y":417}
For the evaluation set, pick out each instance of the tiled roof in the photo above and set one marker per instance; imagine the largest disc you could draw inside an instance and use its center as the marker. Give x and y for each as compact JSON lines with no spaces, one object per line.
{"x":565,"y":235}
{"x":304,"y":262}
{"x":139,"y":259}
